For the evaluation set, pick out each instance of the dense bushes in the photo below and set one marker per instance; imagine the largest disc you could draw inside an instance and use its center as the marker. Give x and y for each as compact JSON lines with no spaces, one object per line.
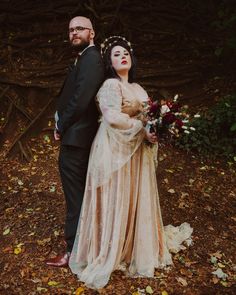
{"x":215,"y":133}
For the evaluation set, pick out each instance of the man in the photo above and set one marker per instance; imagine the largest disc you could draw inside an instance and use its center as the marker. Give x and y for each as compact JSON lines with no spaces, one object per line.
{"x":76,"y":125}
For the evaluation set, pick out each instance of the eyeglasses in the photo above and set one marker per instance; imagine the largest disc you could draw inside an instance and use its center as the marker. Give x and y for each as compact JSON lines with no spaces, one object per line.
{"x":78,"y":29}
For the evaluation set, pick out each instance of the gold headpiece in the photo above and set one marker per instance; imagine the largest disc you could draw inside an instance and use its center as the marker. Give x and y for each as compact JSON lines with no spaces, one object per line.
{"x":108,"y":42}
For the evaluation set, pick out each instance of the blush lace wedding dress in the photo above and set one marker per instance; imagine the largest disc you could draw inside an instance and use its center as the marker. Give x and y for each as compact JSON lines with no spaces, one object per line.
{"x":120,"y":225}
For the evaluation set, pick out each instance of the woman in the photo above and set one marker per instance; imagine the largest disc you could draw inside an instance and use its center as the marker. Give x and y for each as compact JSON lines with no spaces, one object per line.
{"x":120,"y":223}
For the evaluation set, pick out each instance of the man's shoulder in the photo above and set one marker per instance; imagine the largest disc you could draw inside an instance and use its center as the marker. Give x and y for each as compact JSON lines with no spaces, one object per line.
{"x":92,"y":50}
{"x":91,"y":56}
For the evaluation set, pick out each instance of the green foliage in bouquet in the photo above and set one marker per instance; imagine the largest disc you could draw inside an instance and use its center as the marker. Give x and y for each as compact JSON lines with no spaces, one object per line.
{"x":215,"y":131}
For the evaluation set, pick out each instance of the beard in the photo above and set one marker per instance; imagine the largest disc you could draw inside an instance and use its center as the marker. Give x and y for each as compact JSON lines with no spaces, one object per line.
{"x":80,"y":46}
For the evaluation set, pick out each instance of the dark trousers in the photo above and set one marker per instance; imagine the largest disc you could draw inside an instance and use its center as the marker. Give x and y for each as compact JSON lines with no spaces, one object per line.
{"x":73,"y":164}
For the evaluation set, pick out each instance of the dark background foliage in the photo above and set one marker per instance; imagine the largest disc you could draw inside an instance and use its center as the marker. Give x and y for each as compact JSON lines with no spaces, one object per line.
{"x":185,"y":47}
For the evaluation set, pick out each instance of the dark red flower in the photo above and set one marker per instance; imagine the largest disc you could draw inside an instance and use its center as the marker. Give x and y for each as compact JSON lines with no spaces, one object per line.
{"x":169,"y":118}
{"x":154,"y":107}
{"x":179,"y":123}
{"x":175,"y":107}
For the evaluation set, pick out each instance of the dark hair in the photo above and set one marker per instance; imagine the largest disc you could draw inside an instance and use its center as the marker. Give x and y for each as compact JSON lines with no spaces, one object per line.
{"x":109,"y":70}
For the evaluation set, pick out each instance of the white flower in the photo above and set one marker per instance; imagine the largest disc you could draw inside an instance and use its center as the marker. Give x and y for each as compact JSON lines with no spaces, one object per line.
{"x":184,"y":127}
{"x":176,"y":97}
{"x":197,"y":116}
{"x":186,"y":131}
{"x":176,"y":114}
{"x":185,"y":121}
{"x":192,"y":128}
{"x":164,"y":109}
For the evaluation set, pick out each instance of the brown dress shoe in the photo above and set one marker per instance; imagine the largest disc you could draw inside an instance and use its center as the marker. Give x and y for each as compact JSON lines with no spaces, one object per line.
{"x":60,"y":260}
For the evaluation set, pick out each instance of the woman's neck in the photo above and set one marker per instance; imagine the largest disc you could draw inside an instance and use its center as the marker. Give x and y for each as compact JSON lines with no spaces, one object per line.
{"x":124,"y":77}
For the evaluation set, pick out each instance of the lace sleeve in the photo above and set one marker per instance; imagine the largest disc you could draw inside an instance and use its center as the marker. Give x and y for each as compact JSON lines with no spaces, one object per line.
{"x":110,"y":101}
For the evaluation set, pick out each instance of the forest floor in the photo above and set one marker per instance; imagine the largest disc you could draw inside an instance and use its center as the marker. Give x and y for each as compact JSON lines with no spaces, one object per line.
{"x":201,"y":192}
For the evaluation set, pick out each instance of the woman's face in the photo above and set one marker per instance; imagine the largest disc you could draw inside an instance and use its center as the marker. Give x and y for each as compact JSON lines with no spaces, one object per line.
{"x":120,"y":59}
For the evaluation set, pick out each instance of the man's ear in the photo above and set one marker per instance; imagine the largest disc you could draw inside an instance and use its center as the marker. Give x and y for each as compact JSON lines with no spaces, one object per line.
{"x":92,"y":34}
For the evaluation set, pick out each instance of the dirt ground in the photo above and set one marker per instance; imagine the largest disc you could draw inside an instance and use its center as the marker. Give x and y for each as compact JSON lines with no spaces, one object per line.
{"x":201,"y":192}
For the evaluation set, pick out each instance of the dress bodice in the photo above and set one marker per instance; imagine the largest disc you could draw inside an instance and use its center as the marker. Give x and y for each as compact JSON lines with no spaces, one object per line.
{"x":113,"y":95}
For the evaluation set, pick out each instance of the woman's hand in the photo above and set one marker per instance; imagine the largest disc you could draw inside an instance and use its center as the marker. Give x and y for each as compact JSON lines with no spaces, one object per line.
{"x":151,"y":137}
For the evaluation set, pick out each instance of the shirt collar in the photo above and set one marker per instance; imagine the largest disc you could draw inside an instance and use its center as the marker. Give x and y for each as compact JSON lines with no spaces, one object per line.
{"x":80,"y":53}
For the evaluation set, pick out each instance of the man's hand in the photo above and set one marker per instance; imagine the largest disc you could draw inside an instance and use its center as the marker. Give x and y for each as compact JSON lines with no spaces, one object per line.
{"x":56,"y":135}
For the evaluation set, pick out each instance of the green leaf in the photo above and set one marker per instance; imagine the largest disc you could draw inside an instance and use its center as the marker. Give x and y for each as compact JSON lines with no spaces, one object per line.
{"x":233,"y":127}
{"x":218,"y":51}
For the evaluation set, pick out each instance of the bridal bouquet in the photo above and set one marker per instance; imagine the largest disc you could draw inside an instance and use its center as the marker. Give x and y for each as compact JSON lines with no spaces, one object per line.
{"x":167,"y":117}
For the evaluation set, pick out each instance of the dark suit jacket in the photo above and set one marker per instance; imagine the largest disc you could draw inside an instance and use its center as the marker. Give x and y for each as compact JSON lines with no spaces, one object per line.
{"x":78,"y":114}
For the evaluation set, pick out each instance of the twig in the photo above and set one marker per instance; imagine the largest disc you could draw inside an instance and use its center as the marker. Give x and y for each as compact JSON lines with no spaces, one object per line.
{"x":23,"y":151}
{"x":29,"y":126}
{"x":44,"y":85}
{"x":4,"y":91}
{"x":22,"y":110}
{"x":7,"y":115}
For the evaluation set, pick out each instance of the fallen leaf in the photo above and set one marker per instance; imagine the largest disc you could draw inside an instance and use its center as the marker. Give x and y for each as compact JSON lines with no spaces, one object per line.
{"x":186,"y":272}
{"x":56,"y":233}
{"x":220,"y":274}
{"x":43,"y":242}
{"x":169,"y":170}
{"x":52,"y":283}
{"x":52,"y":189}
{"x":79,"y":291}
{"x":171,"y":191}
{"x":36,"y":280}
{"x":217,"y":254}
{"x":149,"y":290}
{"x":7,"y":250}
{"x":47,"y":139}
{"x":213,"y":259}
{"x":6,"y":231}
{"x":17,"y":250}
{"x":223,"y":283}
{"x":221,"y":265}
{"x":40,"y":289}
{"x":164,"y":293}
{"x":182,"y":204}
{"x":45,"y":279}
{"x":9,"y":209}
{"x":20,"y":182}
{"x":215,"y":280}
{"x":182,"y":281}
{"x":191,"y":181}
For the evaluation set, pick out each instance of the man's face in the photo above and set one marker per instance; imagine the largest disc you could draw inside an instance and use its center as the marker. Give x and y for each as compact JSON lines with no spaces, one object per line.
{"x":80,"y":34}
